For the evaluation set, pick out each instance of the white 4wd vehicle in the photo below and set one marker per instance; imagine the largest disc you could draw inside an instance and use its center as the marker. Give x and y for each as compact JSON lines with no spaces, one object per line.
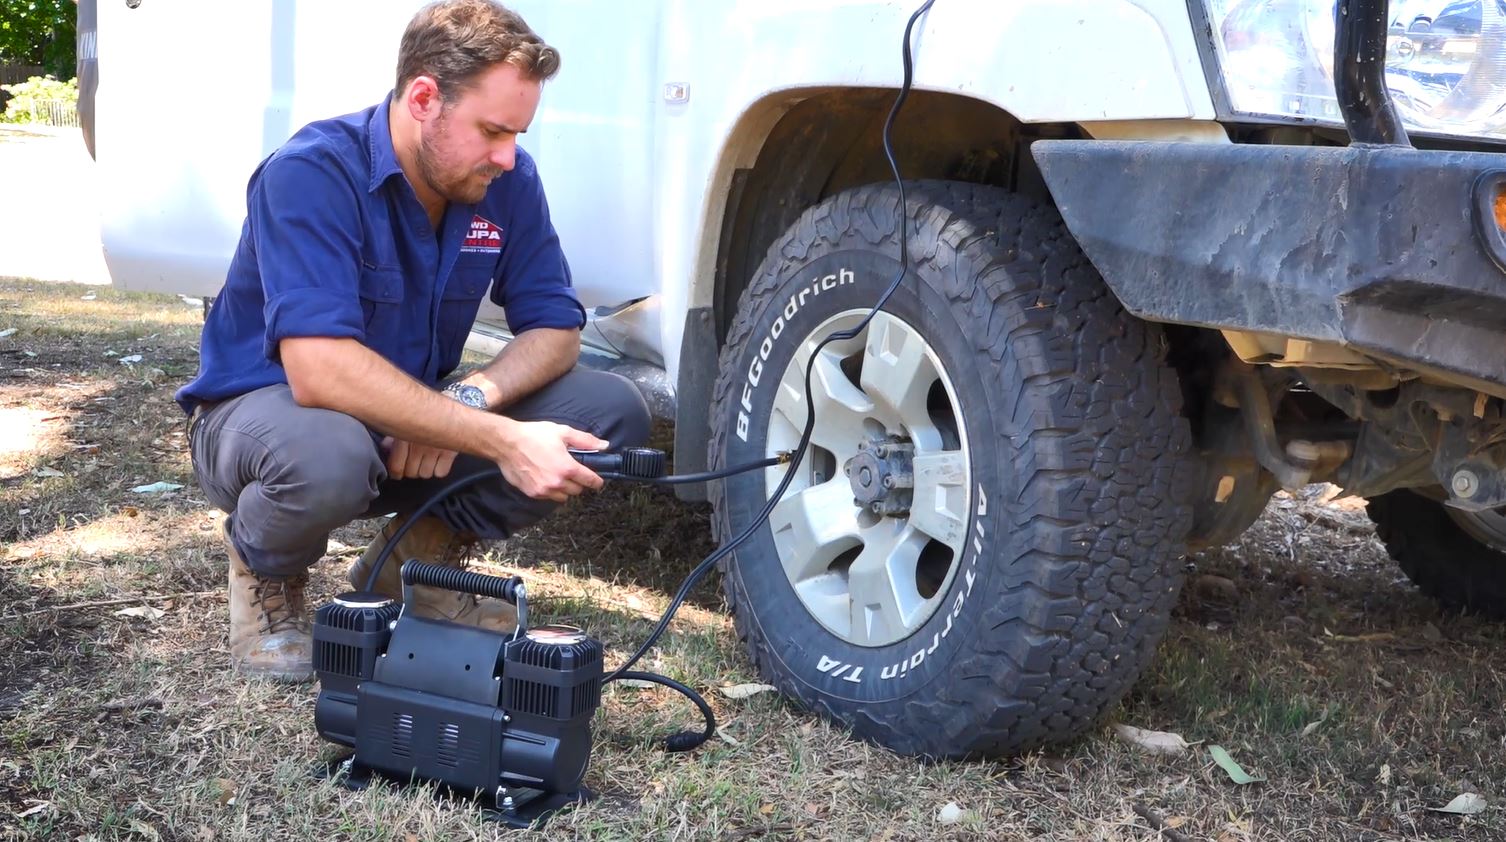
{"x":1153,"y":280}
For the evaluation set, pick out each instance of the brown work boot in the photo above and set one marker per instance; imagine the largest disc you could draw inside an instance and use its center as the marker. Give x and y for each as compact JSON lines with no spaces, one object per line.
{"x":431,"y":541}
{"x":269,"y":622}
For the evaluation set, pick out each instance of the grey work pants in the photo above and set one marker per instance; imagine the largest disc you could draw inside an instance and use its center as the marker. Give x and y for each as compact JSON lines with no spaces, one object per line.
{"x":289,"y":474}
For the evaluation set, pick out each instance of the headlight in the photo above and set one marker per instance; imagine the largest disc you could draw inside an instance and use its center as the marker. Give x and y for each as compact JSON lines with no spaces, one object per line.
{"x":1445,"y":62}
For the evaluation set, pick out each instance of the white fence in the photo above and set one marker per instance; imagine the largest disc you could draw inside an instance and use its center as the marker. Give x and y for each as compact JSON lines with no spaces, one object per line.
{"x":55,"y":112}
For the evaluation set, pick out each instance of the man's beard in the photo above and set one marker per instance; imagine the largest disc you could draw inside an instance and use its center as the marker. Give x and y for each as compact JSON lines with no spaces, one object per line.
{"x":465,"y":187}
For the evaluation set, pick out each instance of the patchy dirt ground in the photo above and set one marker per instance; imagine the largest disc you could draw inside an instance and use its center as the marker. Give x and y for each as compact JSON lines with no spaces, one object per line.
{"x":1300,"y":649}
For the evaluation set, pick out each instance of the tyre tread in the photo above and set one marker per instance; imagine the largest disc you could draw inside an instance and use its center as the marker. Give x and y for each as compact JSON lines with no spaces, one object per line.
{"x":1438,"y":556}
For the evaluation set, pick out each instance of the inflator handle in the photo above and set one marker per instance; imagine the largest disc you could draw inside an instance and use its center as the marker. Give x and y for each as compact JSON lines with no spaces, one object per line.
{"x":628,"y":463}
{"x":465,"y":581}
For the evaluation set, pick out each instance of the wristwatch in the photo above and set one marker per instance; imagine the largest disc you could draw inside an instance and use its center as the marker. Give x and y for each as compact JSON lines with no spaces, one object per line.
{"x":471,"y":396}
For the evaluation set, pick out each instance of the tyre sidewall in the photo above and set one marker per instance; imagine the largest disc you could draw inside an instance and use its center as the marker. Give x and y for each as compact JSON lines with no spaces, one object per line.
{"x":851,"y":277}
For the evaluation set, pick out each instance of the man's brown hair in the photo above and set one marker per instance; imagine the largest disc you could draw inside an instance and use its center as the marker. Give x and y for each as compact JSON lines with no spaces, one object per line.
{"x":456,"y":41}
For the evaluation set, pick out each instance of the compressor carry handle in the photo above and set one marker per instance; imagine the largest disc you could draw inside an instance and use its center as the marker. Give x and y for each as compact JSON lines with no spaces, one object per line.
{"x":416,"y":572}
{"x":509,"y":589}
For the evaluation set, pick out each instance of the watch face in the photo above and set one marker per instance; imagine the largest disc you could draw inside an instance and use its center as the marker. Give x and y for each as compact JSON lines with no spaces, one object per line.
{"x":471,"y":396}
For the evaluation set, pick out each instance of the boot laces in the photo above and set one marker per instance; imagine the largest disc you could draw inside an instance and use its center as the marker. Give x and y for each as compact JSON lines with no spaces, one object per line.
{"x":278,"y":601}
{"x":458,"y":554}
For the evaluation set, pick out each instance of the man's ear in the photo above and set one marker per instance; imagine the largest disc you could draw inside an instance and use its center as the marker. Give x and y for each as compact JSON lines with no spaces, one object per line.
{"x":422,"y":98}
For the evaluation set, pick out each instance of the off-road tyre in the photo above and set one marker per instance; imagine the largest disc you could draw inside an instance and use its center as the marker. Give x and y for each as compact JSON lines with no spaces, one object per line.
{"x":1080,"y":464}
{"x":1442,"y":559}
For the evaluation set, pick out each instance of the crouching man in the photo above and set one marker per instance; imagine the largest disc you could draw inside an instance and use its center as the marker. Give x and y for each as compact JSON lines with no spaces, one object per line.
{"x":321,"y":396}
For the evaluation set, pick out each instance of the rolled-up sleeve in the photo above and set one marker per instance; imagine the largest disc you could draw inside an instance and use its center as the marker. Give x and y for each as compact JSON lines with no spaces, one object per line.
{"x":533,"y":281}
{"x":303,"y":219}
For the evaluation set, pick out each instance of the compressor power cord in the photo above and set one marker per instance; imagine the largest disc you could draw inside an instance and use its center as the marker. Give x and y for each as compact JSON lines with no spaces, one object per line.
{"x":687,"y":740}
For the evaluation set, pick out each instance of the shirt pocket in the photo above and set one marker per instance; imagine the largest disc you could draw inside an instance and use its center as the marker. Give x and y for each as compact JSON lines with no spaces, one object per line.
{"x":469,"y":281}
{"x":381,"y":303}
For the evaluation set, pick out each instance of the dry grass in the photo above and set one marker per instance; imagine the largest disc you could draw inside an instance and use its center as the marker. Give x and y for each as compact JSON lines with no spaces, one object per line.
{"x":116,"y":727}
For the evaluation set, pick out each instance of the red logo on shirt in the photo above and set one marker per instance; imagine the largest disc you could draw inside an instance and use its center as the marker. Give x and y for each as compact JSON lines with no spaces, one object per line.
{"x":484,"y":236}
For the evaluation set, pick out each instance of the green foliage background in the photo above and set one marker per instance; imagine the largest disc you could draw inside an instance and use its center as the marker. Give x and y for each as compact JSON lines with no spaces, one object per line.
{"x":23,"y":94}
{"x":39,"y":32}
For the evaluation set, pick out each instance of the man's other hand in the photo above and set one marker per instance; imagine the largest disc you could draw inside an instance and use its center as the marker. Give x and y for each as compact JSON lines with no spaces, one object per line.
{"x":406,"y":460}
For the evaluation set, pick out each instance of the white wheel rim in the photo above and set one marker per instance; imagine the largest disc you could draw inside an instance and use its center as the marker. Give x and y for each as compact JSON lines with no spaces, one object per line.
{"x":870,"y":579}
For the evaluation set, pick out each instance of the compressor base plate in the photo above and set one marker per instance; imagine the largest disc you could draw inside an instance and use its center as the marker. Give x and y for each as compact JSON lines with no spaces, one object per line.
{"x":531,"y":807}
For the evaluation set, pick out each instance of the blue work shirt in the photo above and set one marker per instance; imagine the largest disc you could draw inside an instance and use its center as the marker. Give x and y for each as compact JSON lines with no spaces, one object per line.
{"x":336,"y":243}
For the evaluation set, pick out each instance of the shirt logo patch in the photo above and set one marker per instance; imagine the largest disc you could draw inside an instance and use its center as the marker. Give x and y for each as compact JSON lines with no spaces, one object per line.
{"x":484,"y":237}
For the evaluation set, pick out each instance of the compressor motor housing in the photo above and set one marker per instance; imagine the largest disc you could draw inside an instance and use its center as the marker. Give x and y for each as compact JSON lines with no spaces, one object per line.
{"x":504,"y":716}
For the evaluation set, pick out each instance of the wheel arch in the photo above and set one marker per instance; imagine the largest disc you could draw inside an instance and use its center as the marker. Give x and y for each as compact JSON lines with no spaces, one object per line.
{"x":795,"y":148}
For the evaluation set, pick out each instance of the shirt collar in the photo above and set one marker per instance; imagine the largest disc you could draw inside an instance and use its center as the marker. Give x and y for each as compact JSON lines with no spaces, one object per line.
{"x":383,"y":158}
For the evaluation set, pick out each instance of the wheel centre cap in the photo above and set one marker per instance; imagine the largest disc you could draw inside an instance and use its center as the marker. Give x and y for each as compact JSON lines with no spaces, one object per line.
{"x":882,"y":475}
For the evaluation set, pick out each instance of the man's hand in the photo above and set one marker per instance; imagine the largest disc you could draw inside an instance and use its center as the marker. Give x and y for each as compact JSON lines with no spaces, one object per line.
{"x":406,"y":460}
{"x":536,"y":461}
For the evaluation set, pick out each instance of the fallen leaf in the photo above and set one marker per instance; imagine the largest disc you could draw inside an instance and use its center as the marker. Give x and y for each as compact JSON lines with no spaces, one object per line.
{"x":90,"y":297}
{"x":815,"y":809}
{"x":950,"y":814}
{"x":1153,"y":742}
{"x":10,"y":331}
{"x":766,"y":809}
{"x":728,"y":738}
{"x":1467,"y":804}
{"x":633,"y":683}
{"x":1236,"y":773}
{"x":1175,"y":822}
{"x":1384,"y":776}
{"x":145,"y":612}
{"x":37,"y":807}
{"x":743,"y":691}
{"x":48,"y":472}
{"x":1310,"y":727}
{"x":156,"y":488}
{"x":130,"y":360}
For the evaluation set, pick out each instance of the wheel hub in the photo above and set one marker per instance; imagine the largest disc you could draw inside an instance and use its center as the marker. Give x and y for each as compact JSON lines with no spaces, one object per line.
{"x":882,"y":475}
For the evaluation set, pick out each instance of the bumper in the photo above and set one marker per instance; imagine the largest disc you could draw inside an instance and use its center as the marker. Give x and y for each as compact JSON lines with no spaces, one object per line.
{"x":1378,"y":249}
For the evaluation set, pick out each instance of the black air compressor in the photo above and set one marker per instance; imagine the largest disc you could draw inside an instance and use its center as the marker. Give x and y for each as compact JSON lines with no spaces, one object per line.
{"x":502,"y":717}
